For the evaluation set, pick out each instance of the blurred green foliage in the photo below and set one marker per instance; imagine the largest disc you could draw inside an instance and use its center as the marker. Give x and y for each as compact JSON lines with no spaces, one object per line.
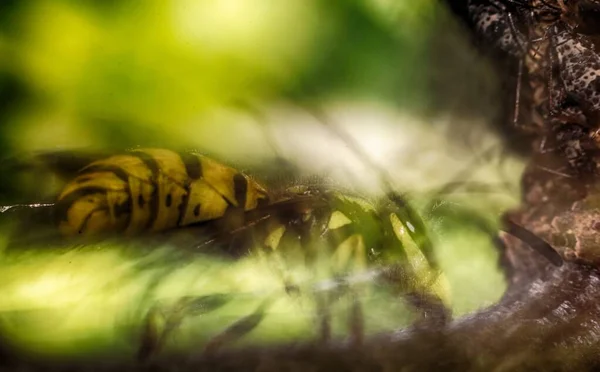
{"x":126,"y":73}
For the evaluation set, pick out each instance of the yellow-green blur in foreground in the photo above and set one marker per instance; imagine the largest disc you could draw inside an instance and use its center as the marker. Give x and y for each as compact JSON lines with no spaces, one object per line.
{"x":94,"y":299}
{"x":79,"y":300}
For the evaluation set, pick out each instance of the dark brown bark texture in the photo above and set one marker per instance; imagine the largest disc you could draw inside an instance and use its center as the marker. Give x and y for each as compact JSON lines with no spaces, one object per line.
{"x":549,"y":318}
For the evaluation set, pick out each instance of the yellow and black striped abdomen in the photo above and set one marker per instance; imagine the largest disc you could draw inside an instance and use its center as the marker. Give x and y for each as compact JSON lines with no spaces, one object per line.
{"x":152,"y":190}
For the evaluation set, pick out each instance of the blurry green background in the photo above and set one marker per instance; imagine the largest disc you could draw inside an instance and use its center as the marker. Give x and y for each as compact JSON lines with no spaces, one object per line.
{"x":398,"y":75}
{"x":126,"y":73}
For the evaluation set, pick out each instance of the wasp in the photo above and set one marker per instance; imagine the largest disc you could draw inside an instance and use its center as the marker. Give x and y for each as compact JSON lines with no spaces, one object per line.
{"x":141,"y":191}
{"x":333,"y":236}
{"x":329,"y":232}
{"x":152,"y":190}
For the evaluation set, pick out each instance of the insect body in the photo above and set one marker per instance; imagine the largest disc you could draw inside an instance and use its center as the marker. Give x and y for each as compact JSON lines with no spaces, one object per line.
{"x":153,"y":190}
{"x":305,"y":234}
{"x":314,"y":234}
{"x":352,"y":232}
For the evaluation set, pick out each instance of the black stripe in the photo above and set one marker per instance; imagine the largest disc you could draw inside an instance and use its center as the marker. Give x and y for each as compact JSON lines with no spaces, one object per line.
{"x":152,"y":164}
{"x":83,"y":179}
{"x":233,"y":213}
{"x":263,"y":199}
{"x":263,"y":202}
{"x":193,"y":167}
{"x":86,"y":221}
{"x":148,"y":160}
{"x":141,"y":202}
{"x":185,"y":199}
{"x":115,"y":169}
{"x":64,"y":204}
{"x":153,"y":206}
{"x":125,"y":207}
{"x":240,"y":187}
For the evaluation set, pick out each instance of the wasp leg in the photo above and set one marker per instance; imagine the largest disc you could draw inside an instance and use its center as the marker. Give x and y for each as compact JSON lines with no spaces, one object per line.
{"x":350,"y":256}
{"x":238,"y":329}
{"x":322,"y":300}
{"x":152,"y":336}
{"x":415,"y":274}
{"x":278,"y":238}
{"x":324,"y":318}
{"x":161,"y":321}
{"x":432,"y":309}
{"x":356,"y":323}
{"x":428,"y":304}
{"x":284,"y":166}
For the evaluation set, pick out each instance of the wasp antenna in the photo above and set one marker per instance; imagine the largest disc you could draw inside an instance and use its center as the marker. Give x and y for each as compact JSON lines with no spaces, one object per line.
{"x":466,"y":173}
{"x":261,"y":120}
{"x":10,"y":208}
{"x":238,"y":329}
{"x":325,"y":121}
{"x":534,"y":241}
{"x":385,"y":179}
{"x":283,"y":164}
